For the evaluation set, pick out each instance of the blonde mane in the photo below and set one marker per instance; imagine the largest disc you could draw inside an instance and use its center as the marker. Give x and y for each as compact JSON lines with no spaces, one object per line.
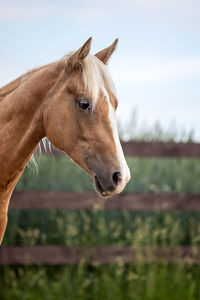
{"x":96,"y":77}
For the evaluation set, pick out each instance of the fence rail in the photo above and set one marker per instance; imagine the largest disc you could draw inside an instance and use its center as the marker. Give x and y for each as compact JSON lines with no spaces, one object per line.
{"x":56,"y":255}
{"x":88,"y":200}
{"x":152,"y":149}
{"x":161,"y":149}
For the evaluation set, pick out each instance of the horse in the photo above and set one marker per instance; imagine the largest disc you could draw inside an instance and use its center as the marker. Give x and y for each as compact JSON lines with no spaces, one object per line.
{"x":71,"y":102}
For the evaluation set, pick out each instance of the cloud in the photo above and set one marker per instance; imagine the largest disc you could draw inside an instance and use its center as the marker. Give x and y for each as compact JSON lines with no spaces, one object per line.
{"x":157,"y":6}
{"x":34,"y":10}
{"x":155,"y":71}
{"x":12,"y":10}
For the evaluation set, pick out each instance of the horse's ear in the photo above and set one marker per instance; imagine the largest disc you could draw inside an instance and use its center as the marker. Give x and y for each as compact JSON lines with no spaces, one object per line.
{"x":74,"y":62}
{"x":105,"y":54}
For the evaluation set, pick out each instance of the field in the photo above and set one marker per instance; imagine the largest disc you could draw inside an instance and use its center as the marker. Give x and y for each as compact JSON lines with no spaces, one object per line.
{"x":117,"y":281}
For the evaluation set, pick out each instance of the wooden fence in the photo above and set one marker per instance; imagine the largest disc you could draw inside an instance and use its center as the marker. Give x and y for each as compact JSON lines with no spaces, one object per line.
{"x":152,"y":149}
{"x":12,"y":255}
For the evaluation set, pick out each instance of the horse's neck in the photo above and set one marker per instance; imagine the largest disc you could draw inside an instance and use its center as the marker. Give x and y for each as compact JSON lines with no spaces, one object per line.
{"x":21,"y":124}
{"x":10,"y":87}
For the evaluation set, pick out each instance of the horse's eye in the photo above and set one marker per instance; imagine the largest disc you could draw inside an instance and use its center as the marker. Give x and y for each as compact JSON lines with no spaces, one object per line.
{"x":84,"y":105}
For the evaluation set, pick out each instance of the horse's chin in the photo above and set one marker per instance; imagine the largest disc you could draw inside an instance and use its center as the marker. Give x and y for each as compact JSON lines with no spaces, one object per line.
{"x":99,"y":189}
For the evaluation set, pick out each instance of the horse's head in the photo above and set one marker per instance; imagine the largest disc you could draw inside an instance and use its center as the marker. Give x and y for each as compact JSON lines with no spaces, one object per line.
{"x":79,"y":119}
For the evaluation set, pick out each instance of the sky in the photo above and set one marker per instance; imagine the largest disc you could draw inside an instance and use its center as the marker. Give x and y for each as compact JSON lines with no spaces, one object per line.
{"x":156,"y":67}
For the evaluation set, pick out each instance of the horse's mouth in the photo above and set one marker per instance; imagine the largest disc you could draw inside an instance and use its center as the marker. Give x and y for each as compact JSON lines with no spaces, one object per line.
{"x":99,"y":187}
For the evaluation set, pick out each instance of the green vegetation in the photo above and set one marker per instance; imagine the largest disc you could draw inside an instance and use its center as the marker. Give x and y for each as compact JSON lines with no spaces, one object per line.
{"x":148,"y":175}
{"x":117,"y":281}
{"x":107,"y":282}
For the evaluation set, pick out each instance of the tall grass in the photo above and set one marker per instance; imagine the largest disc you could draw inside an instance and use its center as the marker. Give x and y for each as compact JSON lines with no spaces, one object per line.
{"x":107,"y":282}
{"x":148,"y":175}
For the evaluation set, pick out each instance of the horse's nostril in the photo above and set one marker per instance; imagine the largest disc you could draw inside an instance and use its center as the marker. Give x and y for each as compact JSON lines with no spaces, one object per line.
{"x":116,"y":178}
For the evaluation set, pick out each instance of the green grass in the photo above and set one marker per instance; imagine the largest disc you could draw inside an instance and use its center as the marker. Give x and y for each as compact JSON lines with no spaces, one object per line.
{"x":111,"y":282}
{"x":93,"y":228}
{"x":148,"y":175}
{"x":118,"y":281}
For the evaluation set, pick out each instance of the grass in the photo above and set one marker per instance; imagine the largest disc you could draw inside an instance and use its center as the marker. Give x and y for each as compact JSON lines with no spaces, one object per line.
{"x":112,"y":282}
{"x":117,"y":281}
{"x":93,"y":228}
{"x":148,"y":175}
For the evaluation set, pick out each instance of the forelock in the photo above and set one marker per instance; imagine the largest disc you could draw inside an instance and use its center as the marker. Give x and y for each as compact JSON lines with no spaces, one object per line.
{"x":96,"y":77}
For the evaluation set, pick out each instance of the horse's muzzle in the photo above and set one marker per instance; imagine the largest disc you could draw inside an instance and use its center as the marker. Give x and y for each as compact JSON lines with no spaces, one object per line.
{"x":107,"y":185}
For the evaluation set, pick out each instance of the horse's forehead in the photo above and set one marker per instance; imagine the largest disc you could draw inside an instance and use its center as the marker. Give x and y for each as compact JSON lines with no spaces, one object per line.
{"x":75,"y":83}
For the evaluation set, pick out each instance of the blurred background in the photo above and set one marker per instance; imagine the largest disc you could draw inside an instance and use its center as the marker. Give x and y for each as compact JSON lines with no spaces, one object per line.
{"x":156,"y":70}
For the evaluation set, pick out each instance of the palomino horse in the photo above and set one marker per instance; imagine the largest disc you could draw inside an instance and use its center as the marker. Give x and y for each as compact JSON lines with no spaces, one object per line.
{"x":72,"y":102}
